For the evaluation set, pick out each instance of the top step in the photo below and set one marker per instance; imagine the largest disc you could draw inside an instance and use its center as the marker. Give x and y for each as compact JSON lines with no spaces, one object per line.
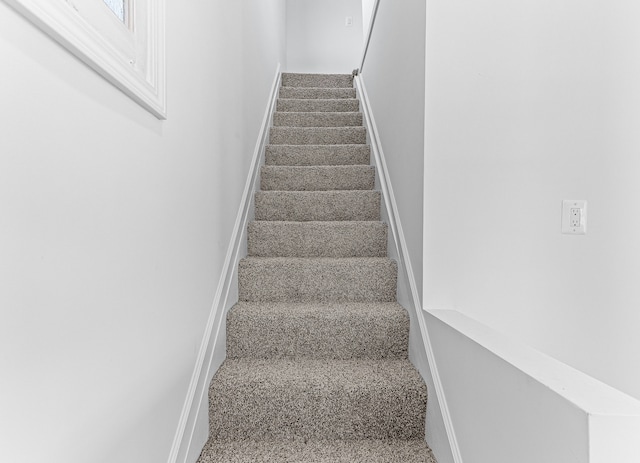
{"x":317,"y":80}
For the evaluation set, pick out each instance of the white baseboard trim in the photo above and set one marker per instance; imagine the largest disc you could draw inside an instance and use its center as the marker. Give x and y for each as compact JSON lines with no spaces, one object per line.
{"x":402,"y":254}
{"x":209,"y":357}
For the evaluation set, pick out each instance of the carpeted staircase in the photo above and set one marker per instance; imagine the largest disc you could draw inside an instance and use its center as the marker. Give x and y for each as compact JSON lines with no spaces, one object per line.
{"x":317,"y":367}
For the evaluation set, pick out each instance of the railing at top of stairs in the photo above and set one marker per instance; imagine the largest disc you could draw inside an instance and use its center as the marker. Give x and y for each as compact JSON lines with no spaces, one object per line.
{"x":372,"y":22}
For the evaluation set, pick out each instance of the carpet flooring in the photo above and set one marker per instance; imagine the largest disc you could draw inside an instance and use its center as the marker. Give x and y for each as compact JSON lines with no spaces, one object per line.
{"x":317,"y":366}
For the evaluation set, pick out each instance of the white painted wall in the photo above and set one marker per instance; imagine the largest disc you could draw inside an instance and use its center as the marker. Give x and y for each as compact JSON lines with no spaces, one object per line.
{"x":114,"y":227}
{"x":317,"y":38}
{"x":393,"y":74}
{"x":407,"y":285}
{"x":511,"y":403}
{"x":367,"y":14}
{"x":529,"y":103}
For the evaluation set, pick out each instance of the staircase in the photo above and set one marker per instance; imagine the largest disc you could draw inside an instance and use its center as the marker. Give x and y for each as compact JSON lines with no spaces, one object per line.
{"x":317,"y":367}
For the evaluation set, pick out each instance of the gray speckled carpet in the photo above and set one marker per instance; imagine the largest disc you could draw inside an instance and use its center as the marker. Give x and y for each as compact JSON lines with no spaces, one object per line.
{"x":317,"y":367}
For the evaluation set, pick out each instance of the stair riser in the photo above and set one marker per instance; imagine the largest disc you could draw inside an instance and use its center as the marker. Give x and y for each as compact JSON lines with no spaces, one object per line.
{"x":318,"y":136}
{"x":317,"y":239}
{"x":317,"y":178}
{"x":314,"y":106}
{"x":317,"y":155}
{"x":317,"y":80}
{"x":265,"y":413}
{"x":301,"y":93}
{"x":327,"y":119}
{"x":317,"y":206}
{"x":317,"y":332}
{"x":317,"y":280}
{"x":321,"y":451}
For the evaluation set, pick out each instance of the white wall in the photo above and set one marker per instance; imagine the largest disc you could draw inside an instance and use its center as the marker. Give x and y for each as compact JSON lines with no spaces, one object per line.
{"x":510,"y":403}
{"x":317,"y":38}
{"x":530,"y":103}
{"x":393,"y":74}
{"x":114,"y":227}
{"x":367,"y":14}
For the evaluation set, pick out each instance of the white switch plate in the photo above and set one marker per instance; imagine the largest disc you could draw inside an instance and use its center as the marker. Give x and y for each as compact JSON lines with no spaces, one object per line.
{"x":574,"y":217}
{"x":348,"y":21}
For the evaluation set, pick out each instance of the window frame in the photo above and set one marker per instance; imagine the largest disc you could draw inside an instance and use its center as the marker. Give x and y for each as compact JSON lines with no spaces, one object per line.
{"x":60,"y":19}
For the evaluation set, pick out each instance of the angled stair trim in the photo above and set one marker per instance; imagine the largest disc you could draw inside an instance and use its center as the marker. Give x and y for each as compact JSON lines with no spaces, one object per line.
{"x":402,"y":255}
{"x":195,"y":410}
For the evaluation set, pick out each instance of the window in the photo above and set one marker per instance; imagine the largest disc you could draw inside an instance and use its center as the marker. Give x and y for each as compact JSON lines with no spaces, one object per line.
{"x":117,"y":6}
{"x":123,"y":40}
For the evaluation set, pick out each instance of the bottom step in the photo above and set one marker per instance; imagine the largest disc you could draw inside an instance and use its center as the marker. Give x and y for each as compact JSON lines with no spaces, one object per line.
{"x":281,"y":451}
{"x":317,"y":399}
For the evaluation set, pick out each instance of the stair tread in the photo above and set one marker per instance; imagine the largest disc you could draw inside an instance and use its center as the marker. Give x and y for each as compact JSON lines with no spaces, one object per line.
{"x":317,"y":135}
{"x":322,"y":310}
{"x":318,"y":129}
{"x":319,"y":113}
{"x":316,"y":92}
{"x":350,"y":261}
{"x":317,"y":239}
{"x":287,"y":451}
{"x":318,"y":104}
{"x":352,"y":205}
{"x":319,"y":263}
{"x":317,"y":100}
{"x":328,"y":170}
{"x":292,"y":79}
{"x":317,"y":178}
{"x":307,"y":279}
{"x":331,"y":330}
{"x":285,"y":87}
{"x":317,"y":119}
{"x":323,"y":376}
{"x":299,"y":451}
{"x":319,"y":88}
{"x":314,"y":155}
{"x":315,"y":74}
{"x":317,"y":398}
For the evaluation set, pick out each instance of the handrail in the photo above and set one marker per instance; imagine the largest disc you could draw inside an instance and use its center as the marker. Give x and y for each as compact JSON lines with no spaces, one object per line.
{"x":366,"y":45}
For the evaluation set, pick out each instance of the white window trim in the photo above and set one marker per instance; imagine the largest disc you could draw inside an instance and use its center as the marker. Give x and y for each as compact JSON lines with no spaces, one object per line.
{"x":60,"y":20}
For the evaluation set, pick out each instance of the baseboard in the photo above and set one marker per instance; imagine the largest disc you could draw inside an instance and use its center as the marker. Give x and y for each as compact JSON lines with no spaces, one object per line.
{"x":408,"y":293}
{"x":188,"y":440}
